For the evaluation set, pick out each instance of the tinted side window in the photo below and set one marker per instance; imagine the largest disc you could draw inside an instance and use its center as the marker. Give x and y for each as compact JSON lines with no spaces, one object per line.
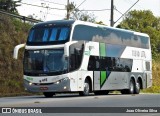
{"x":109,"y":64}
{"x":94,"y":63}
{"x":83,"y":32}
{"x":109,"y":35}
{"x":75,"y":55}
{"x":148,"y":66}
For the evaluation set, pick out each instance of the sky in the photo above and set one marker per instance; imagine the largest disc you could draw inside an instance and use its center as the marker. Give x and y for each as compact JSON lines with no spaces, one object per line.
{"x":52,"y":14}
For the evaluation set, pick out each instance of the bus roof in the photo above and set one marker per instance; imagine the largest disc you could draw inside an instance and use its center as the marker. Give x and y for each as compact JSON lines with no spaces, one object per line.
{"x":73,"y":22}
{"x":113,"y":28}
{"x":55,"y":22}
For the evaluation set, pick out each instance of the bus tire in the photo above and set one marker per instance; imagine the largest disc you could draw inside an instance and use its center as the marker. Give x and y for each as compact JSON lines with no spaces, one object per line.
{"x":86,"y":90}
{"x":131,"y":87}
{"x":48,"y":94}
{"x":137,"y":87}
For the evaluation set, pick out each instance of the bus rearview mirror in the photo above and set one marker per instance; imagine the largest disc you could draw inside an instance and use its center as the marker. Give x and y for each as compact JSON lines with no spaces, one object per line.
{"x":16,"y":49}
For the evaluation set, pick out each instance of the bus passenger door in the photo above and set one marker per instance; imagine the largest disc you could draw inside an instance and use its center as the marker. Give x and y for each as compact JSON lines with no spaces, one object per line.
{"x":75,"y":60}
{"x":96,"y":77}
{"x":147,"y":74}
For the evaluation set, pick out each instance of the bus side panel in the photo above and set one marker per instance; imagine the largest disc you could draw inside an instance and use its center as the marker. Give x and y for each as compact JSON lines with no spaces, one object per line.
{"x":120,"y":80}
{"x":147,"y":66}
{"x":113,"y":81}
{"x":102,"y":81}
{"x":77,"y":79}
{"x":81,"y":79}
{"x":74,"y":80}
{"x":149,"y":79}
{"x":96,"y":80}
{"x":137,"y":66}
{"x":116,"y":81}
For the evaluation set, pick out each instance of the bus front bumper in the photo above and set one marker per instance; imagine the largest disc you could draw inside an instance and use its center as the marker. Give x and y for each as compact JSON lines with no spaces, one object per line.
{"x":59,"y":86}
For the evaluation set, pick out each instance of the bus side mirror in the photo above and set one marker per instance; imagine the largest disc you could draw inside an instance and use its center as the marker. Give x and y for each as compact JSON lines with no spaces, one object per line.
{"x":16,"y":49}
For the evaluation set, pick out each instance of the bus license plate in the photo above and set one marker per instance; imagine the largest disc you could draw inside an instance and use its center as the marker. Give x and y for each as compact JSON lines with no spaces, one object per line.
{"x":43,"y":88}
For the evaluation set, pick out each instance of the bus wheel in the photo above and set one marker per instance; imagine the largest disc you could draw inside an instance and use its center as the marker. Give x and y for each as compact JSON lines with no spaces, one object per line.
{"x":131,"y":87}
{"x":137,"y":87}
{"x":86,"y":90}
{"x":48,"y":94}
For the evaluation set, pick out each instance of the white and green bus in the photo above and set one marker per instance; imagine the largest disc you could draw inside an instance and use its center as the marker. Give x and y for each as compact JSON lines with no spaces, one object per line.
{"x":76,"y":56}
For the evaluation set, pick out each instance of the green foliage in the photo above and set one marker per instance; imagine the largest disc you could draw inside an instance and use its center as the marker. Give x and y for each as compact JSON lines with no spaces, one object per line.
{"x":9,"y":5}
{"x":71,"y":6}
{"x":100,"y":23}
{"x":144,"y":21}
{"x":85,"y":16}
{"x":13,"y":32}
{"x":75,"y":13}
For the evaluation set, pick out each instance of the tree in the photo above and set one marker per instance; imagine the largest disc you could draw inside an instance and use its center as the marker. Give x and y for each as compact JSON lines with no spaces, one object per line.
{"x":70,"y":8}
{"x":76,"y":14}
{"x":100,"y":23}
{"x":9,"y":5}
{"x":144,"y":21}
{"x":84,"y":16}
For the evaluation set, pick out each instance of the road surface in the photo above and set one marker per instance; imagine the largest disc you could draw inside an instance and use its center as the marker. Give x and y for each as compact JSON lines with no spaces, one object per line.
{"x":74,"y":100}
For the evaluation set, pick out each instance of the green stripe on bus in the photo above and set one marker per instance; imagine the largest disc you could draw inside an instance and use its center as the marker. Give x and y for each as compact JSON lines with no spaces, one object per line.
{"x":102,"y":49}
{"x":103,"y":78}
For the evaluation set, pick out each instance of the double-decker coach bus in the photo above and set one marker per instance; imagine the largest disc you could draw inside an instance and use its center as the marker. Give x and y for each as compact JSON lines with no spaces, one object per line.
{"x":76,"y":56}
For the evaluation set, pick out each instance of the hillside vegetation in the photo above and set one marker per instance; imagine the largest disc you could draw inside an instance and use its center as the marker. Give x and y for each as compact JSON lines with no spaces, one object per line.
{"x":14,"y":32}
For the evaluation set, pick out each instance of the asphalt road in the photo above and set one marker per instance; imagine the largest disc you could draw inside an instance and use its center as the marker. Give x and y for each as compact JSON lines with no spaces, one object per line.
{"x":74,"y":100}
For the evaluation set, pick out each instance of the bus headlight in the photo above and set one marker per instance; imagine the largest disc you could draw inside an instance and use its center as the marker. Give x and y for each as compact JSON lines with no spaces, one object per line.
{"x":57,"y":82}
{"x":64,"y":79}
{"x":30,"y":83}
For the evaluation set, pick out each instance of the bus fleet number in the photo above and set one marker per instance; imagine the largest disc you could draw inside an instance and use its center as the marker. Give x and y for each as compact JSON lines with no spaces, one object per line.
{"x":136,"y":53}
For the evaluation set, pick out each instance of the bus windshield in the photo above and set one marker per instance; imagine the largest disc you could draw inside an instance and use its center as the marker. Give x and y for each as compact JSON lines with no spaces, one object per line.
{"x":45,"y":62}
{"x":48,"y":35}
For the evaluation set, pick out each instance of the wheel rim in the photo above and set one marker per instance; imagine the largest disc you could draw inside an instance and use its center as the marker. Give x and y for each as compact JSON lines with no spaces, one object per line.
{"x":86,"y":88}
{"x":138,"y":86}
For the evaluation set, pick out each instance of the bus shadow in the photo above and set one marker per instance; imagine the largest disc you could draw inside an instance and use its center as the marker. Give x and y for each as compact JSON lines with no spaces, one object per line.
{"x":67,"y":95}
{"x":76,"y":95}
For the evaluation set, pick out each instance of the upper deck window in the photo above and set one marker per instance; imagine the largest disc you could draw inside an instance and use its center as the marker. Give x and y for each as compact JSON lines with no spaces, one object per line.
{"x":48,"y":35}
{"x":110,"y":36}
